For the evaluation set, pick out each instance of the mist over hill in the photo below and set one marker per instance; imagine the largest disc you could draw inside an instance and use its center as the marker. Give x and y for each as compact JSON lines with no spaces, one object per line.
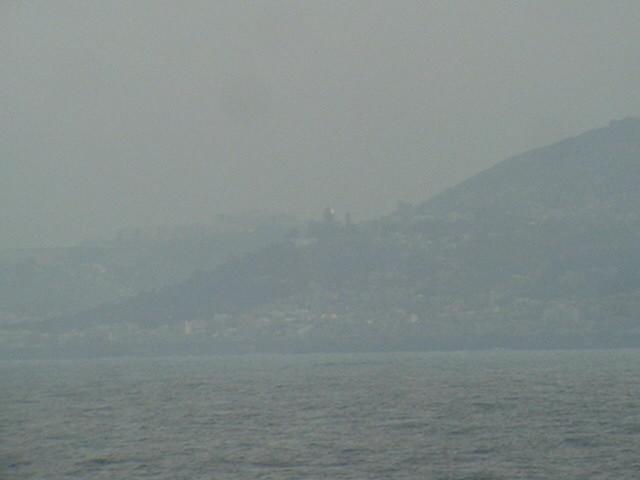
{"x":540,"y":251}
{"x":48,"y":282}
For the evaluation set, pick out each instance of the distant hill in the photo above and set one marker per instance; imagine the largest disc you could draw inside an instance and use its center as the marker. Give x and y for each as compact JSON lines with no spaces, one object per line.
{"x":540,"y":251}
{"x":590,"y":175}
{"x":47,"y":282}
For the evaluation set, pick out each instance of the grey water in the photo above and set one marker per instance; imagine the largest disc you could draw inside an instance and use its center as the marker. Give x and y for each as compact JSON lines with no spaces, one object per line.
{"x":482,"y":415}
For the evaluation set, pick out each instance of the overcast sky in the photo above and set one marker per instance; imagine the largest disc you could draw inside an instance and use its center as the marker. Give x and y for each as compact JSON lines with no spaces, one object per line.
{"x":119,"y":113}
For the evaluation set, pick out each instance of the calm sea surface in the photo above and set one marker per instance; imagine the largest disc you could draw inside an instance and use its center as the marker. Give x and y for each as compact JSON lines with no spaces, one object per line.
{"x":491,"y":415}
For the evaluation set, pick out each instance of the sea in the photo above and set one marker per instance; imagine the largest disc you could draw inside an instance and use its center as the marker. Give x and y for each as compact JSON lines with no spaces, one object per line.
{"x":448,"y":415}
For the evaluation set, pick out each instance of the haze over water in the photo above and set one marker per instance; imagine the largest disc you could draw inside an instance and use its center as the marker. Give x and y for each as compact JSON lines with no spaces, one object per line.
{"x":126,"y":128}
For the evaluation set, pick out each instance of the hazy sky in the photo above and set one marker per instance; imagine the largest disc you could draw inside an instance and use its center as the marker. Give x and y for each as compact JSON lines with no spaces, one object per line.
{"x":119,"y":112}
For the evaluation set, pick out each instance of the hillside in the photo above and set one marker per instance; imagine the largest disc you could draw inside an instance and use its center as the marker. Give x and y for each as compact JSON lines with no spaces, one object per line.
{"x":591,"y":175}
{"x":540,"y":251}
{"x":49,"y":282}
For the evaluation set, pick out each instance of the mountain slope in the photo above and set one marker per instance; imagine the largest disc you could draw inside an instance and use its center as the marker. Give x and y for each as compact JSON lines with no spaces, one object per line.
{"x":539,"y":251}
{"x":41,"y":283}
{"x":592,"y":174}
